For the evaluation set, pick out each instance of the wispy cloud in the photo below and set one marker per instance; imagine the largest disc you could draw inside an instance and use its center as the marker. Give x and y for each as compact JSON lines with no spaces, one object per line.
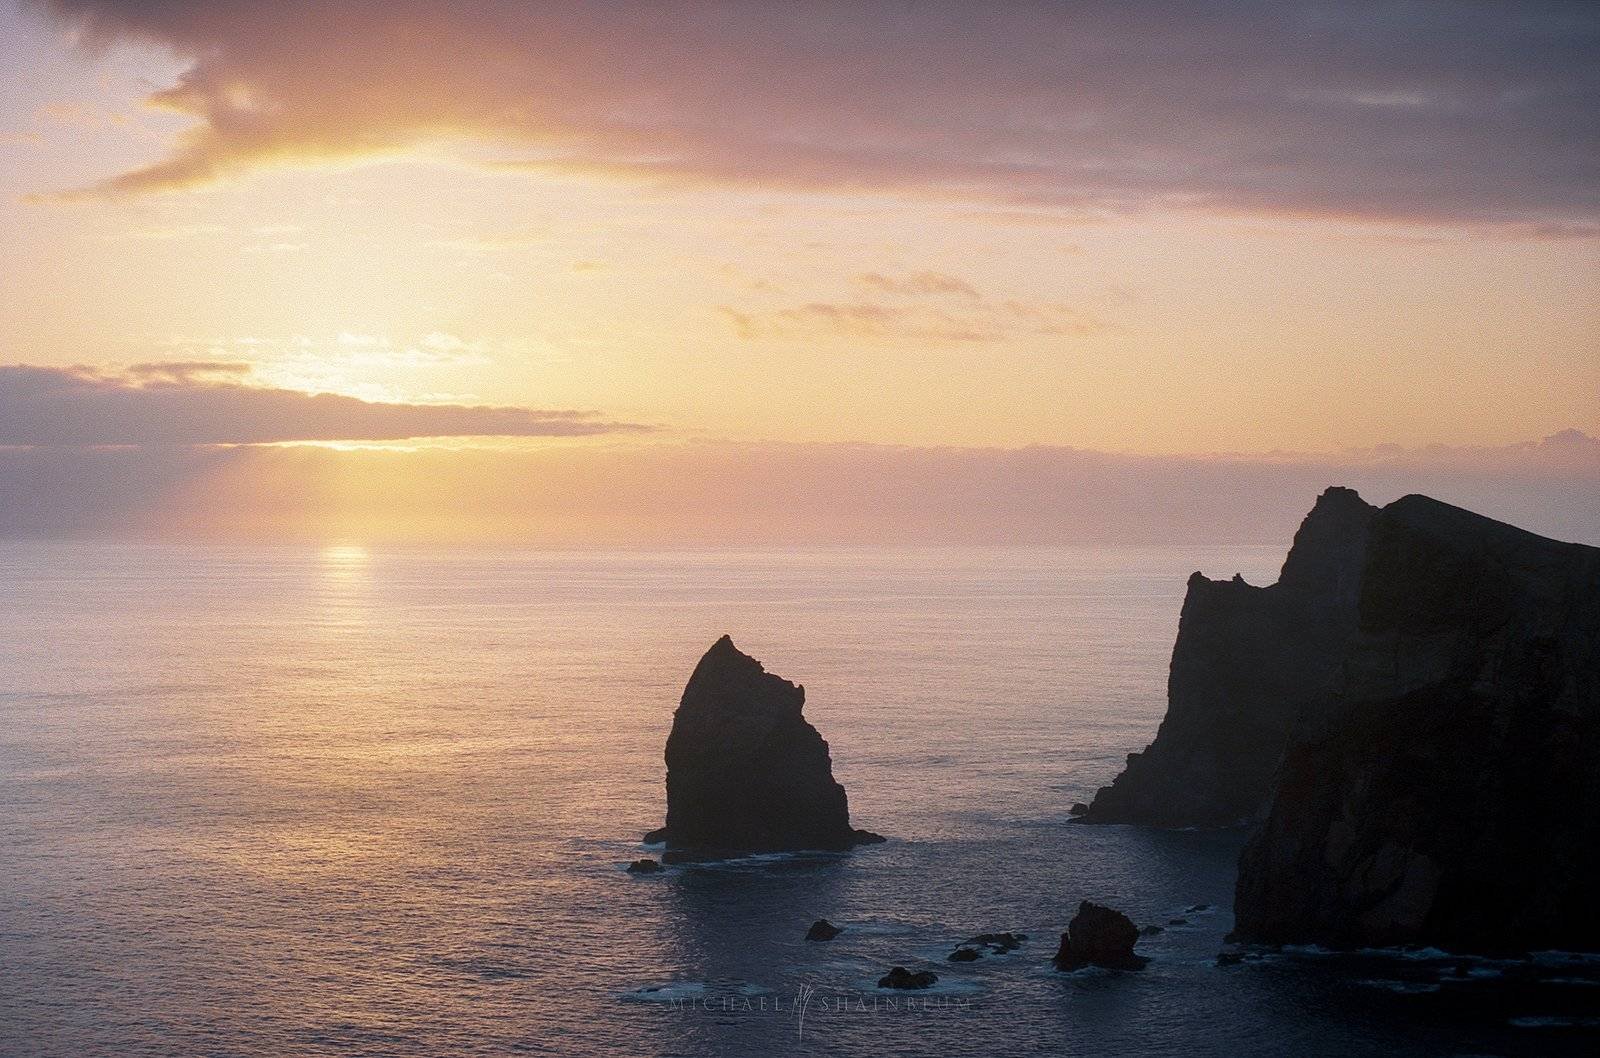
{"x":917,"y":283}
{"x":212,"y":403}
{"x":1434,"y":111}
{"x":922,"y":306}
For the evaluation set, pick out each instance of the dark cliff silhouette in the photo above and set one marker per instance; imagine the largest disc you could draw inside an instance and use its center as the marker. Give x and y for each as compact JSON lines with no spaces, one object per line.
{"x":1248,"y":662}
{"x":1411,"y":714}
{"x":1450,"y":795}
{"x":745,"y":771}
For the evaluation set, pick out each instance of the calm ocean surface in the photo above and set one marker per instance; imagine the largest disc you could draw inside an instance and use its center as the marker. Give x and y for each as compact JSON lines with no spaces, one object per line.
{"x":285,"y":802}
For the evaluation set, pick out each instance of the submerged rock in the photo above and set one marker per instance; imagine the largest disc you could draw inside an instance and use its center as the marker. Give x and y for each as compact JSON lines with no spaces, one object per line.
{"x":822,"y":929}
{"x":974,"y":948}
{"x":1099,"y":936}
{"x":745,"y":771}
{"x":900,"y":977}
{"x":999,"y":943}
{"x":1451,"y":796}
{"x":1247,"y":663}
{"x":644,"y":866}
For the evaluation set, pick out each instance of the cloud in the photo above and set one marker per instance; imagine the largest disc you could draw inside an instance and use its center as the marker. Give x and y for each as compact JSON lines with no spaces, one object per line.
{"x":209,"y":403}
{"x":78,"y":115}
{"x":918,"y":283}
{"x":625,"y":493}
{"x":922,"y":307}
{"x":171,"y":372}
{"x":1476,"y":114}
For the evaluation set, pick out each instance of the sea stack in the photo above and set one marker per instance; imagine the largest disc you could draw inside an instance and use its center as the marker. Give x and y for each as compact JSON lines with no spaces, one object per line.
{"x":1248,"y":663}
{"x":1099,"y":936}
{"x":745,"y":771}
{"x":1450,"y":795}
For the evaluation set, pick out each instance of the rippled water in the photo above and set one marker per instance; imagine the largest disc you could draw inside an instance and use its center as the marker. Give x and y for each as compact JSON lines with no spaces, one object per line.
{"x":286,"y":802}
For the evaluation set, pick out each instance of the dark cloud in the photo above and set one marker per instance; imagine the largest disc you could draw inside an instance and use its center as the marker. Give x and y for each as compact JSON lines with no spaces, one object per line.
{"x":1481,"y":113}
{"x":203,"y":403}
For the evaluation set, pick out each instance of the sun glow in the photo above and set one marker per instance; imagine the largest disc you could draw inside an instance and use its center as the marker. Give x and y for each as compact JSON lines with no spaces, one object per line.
{"x":344,"y":560}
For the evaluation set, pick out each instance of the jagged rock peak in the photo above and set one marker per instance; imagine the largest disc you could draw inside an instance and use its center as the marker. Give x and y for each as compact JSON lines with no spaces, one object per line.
{"x":1327,"y":549}
{"x":1248,"y":663}
{"x":726,"y":677}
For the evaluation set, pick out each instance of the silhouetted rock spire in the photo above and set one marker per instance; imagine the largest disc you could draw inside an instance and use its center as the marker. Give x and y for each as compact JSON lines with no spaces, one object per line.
{"x":745,"y":771}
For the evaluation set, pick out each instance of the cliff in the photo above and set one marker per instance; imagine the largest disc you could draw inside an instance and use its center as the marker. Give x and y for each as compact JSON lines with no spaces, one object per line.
{"x":745,"y":771}
{"x":1449,"y":794}
{"x":1248,"y":663}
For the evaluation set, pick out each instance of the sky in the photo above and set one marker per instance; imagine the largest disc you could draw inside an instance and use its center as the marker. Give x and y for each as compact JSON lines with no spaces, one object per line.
{"x":671,"y":272}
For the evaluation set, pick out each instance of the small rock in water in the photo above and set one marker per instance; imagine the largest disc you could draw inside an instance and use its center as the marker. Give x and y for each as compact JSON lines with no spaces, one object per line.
{"x":822,"y":929}
{"x":900,"y":977}
{"x":965,"y":955}
{"x":1099,"y":936}
{"x":1078,"y":808}
{"x":1150,"y":931}
{"x":1177,"y":922}
{"x":644,"y":866}
{"x":1195,"y":909}
{"x":1230,"y":958}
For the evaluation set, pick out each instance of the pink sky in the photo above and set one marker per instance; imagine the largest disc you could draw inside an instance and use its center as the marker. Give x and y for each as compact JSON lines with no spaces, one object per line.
{"x":873,"y":254}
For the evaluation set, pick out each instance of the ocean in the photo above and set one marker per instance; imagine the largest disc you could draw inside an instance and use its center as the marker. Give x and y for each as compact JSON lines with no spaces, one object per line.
{"x":279,"y":801}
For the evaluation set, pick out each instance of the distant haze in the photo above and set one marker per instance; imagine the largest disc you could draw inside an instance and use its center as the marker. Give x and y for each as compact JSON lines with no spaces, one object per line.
{"x":634,"y":494}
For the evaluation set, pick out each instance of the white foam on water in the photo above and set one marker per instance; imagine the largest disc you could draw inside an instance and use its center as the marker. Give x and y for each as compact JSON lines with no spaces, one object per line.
{"x":1555,"y":1022}
{"x":672,"y":991}
{"x":1402,"y":987}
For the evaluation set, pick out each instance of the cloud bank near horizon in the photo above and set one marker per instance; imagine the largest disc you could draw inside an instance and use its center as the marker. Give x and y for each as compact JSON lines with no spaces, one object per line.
{"x":723,"y":494}
{"x":212,"y":403}
{"x":1427,"y":111}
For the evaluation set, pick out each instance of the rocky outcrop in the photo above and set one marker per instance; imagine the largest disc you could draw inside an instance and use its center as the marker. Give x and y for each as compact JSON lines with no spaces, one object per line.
{"x":644,"y":866}
{"x":1099,"y":936}
{"x":822,"y":930}
{"x":1248,"y":663}
{"x":745,"y":771}
{"x":900,"y":977}
{"x":1450,"y":793}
